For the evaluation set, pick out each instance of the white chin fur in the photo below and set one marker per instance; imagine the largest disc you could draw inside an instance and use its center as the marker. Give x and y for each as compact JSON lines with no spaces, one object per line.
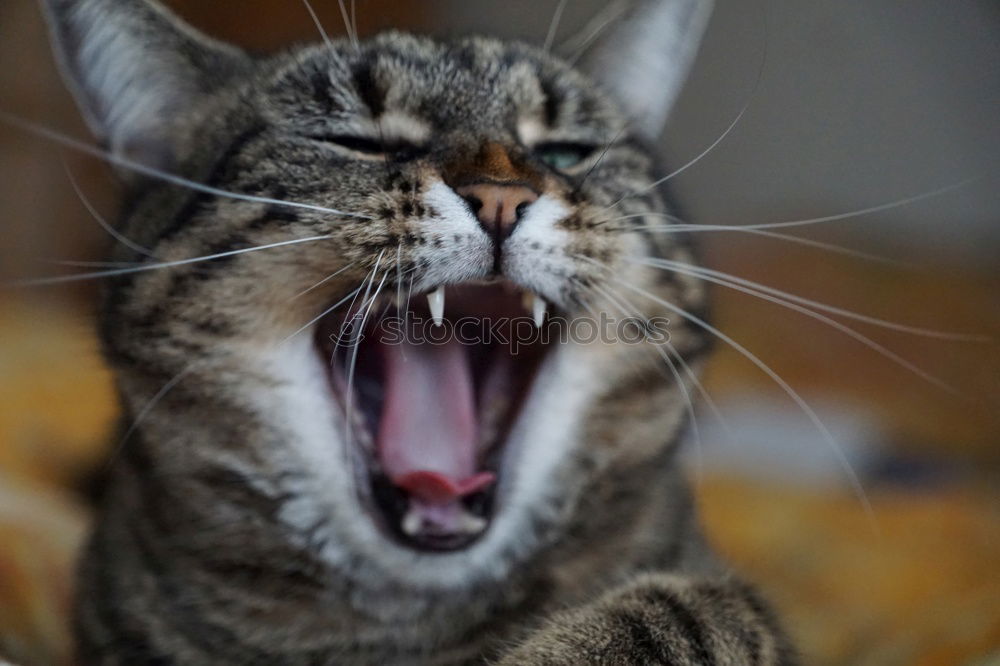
{"x":325,"y":502}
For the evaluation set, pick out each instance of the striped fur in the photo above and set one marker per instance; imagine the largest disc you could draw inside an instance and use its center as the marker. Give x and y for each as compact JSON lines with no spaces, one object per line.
{"x":232,"y":531}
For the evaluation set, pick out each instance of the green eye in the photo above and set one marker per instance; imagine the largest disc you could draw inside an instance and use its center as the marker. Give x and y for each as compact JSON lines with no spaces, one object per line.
{"x":562,"y":156}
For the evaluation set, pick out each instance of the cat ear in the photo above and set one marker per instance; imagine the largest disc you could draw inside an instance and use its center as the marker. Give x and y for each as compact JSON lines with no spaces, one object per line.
{"x":132,"y":65}
{"x":645,"y":58}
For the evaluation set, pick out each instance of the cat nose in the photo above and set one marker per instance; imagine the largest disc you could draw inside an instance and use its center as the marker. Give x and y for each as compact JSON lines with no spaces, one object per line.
{"x":498,"y":207}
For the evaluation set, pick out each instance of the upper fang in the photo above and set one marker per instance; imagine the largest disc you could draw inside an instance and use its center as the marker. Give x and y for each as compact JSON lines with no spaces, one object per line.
{"x":538,"y":308}
{"x":435,"y":300}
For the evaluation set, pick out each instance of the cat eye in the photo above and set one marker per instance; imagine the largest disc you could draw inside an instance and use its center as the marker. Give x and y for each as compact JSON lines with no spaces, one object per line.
{"x":562,"y":156}
{"x":375,"y":147}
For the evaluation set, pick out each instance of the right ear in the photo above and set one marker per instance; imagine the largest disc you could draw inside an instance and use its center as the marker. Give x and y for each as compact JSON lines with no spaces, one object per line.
{"x":132,"y":65}
{"x":645,"y":59}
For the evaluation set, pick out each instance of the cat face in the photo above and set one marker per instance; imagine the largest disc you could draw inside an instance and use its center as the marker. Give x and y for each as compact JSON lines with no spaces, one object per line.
{"x":447,"y":343}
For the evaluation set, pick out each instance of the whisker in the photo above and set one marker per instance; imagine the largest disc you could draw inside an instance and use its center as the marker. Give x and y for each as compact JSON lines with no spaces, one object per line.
{"x":318,"y":24}
{"x":399,"y":274}
{"x":352,"y":365}
{"x":864,"y":211}
{"x":689,"y":227}
{"x":137,"y":167}
{"x":322,"y":314}
{"x":845,"y":464}
{"x":689,"y":402}
{"x":409,"y":293}
{"x":353,"y":294}
{"x":874,"y":321}
{"x":33,"y":282}
{"x":860,"y":337}
{"x":91,"y":264}
{"x":324,"y":280}
{"x":602,"y":19}
{"x":406,"y":309}
{"x":600,"y":159}
{"x":677,"y":224}
{"x":111,"y":231}
{"x":354,"y":17}
{"x":351,"y":33}
{"x":554,"y":26}
{"x":147,"y":408}
{"x":732,"y":126}
{"x":833,"y":248}
{"x":175,"y":380}
{"x":698,"y":384}
{"x":348,"y":320}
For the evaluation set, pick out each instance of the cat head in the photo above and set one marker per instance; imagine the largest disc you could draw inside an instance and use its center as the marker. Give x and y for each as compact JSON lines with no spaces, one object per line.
{"x":428,"y":333}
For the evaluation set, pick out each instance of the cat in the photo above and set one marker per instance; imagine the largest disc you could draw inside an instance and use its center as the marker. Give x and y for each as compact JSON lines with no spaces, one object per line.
{"x":290,"y":488}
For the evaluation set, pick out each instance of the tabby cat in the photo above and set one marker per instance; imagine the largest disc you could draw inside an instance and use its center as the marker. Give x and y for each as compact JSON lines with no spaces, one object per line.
{"x":292,"y":488}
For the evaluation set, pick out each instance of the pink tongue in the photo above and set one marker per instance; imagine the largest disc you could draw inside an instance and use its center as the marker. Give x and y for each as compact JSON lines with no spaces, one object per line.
{"x":427,"y":437}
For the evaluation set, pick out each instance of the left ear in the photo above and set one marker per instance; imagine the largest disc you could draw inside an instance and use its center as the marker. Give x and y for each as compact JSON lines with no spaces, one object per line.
{"x":644,"y":61}
{"x":133,"y":66}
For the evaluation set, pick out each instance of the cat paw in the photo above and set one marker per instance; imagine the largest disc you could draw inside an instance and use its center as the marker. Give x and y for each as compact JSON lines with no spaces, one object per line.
{"x":659,"y":619}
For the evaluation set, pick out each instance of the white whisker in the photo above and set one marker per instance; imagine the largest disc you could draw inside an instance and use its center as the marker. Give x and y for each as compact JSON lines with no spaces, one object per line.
{"x":874,"y":321}
{"x":847,"y":330}
{"x":354,"y":17}
{"x":732,"y":126}
{"x":834,"y":248}
{"x":324,"y":280}
{"x":369,"y":281}
{"x":678,"y":380}
{"x":600,"y":159}
{"x":352,"y":364}
{"x":351,"y":30}
{"x":318,"y":24}
{"x":852,"y":476}
{"x":399,"y":274}
{"x":581,"y":41}
{"x":681,"y":227}
{"x":699,"y":386}
{"x":147,"y":408}
{"x":111,"y":231}
{"x":33,"y":282}
{"x":91,"y":264}
{"x":690,"y":227}
{"x":554,"y":26}
{"x":864,"y":211}
{"x":322,"y":314}
{"x":158,"y":174}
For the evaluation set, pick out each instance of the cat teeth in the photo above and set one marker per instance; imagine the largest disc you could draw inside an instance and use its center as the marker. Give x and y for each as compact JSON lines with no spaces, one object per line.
{"x":413,"y":523}
{"x":533,"y":303}
{"x":528,"y":300}
{"x":435,"y":300}
{"x":472,"y":524}
{"x":538,"y":309}
{"x":536,"y":305}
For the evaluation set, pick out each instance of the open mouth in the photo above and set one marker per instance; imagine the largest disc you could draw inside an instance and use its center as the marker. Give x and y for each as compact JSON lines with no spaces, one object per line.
{"x":430,"y":395}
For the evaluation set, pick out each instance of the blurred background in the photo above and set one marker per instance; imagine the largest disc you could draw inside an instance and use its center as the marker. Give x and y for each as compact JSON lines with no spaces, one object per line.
{"x":861,"y":103}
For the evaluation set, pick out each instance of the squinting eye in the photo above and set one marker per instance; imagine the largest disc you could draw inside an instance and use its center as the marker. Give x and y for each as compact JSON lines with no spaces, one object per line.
{"x":563,"y":156}
{"x":397,"y":150}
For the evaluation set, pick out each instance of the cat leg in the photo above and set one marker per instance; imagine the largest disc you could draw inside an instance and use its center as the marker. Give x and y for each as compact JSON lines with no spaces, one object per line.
{"x":661,"y":619}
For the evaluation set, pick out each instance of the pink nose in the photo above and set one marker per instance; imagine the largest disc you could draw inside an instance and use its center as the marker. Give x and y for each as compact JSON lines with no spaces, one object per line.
{"x":498,"y":207}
